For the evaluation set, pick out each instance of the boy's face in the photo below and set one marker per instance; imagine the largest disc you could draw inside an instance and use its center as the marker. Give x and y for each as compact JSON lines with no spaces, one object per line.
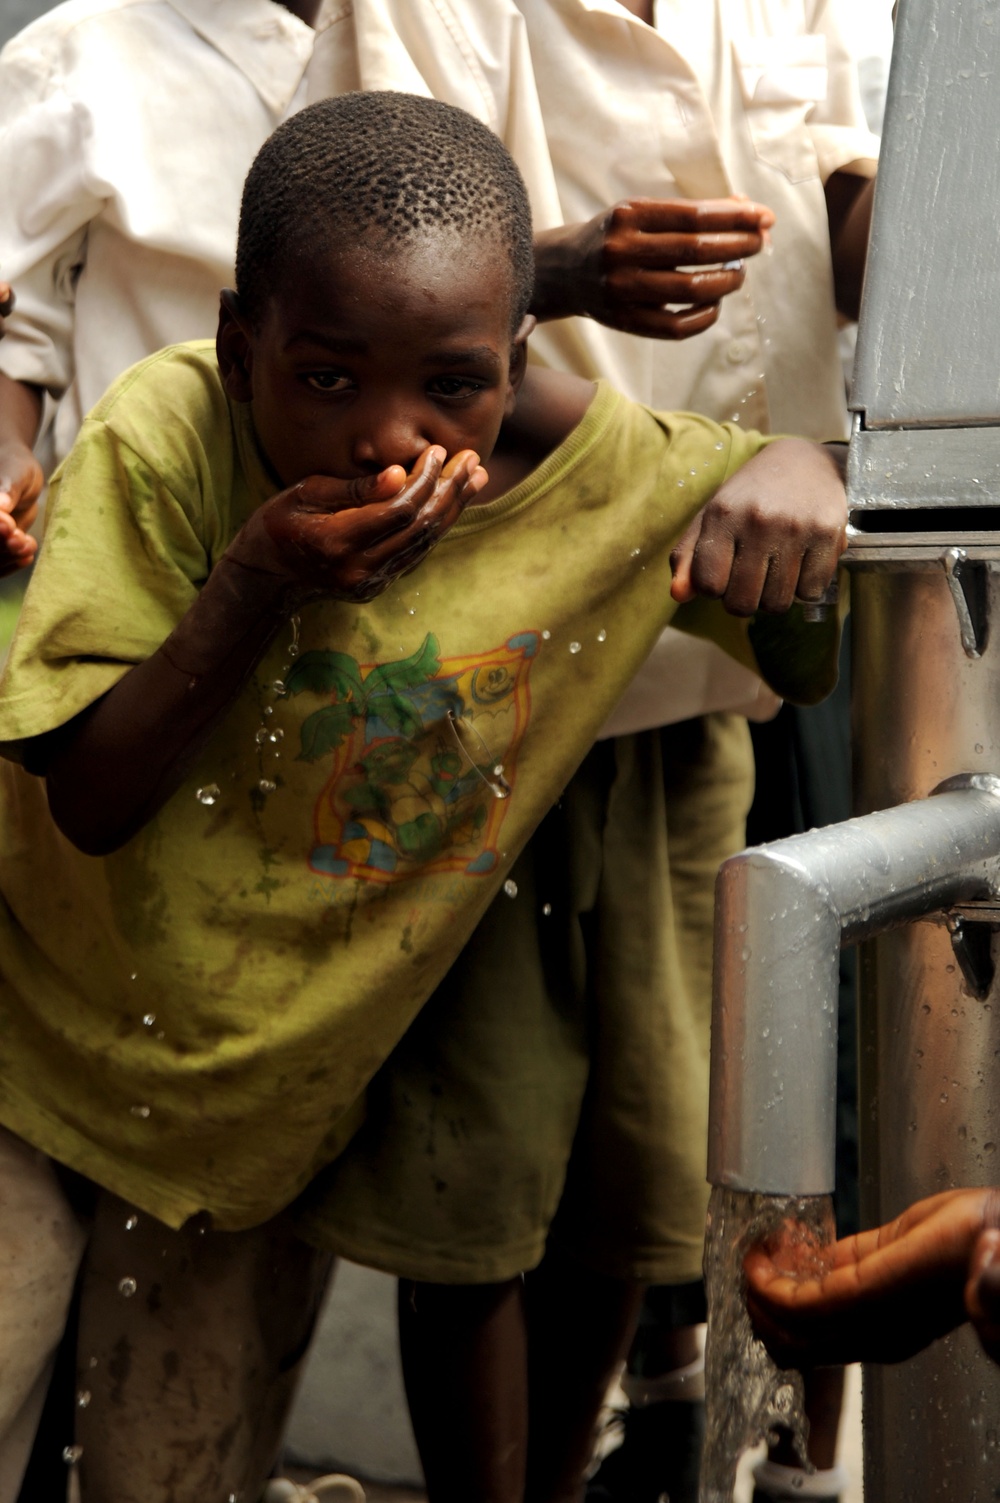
{"x":362,"y":361}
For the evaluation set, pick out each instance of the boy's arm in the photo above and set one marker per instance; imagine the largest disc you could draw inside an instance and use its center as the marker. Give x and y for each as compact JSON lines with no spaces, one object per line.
{"x":849,"y":199}
{"x":624,"y":266}
{"x":112,"y":767}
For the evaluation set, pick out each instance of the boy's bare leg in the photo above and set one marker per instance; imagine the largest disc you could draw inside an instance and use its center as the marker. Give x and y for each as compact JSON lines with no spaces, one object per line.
{"x":464,"y":1350}
{"x":191,"y":1344}
{"x":506,"y":1381}
{"x":41,"y":1243}
{"x":580,"y":1326}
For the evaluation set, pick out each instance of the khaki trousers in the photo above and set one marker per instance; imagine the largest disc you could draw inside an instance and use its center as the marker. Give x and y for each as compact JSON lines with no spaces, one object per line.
{"x":190,"y":1342}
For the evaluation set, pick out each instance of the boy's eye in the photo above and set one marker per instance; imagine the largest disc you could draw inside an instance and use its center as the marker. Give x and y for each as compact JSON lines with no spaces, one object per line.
{"x":329,"y":381}
{"x":454,"y":386}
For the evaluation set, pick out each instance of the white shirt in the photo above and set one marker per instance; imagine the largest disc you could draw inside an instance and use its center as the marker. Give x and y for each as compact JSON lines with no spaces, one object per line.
{"x":126,"y":130}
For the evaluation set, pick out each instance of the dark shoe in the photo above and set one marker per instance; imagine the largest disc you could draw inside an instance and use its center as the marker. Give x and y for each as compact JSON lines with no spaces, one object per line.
{"x":658,"y":1458}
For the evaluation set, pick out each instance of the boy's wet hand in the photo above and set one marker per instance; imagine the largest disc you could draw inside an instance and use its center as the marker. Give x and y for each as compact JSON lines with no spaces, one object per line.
{"x":888,"y":1292}
{"x":772,"y":533}
{"x":658,"y":268}
{"x":21,"y":481}
{"x":350,"y":539}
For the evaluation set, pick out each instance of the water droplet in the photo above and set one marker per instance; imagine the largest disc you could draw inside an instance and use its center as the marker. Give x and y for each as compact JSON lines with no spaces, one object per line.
{"x":943,"y":1097}
{"x":574,"y":647}
{"x":925,"y":1007}
{"x":72,"y":1454}
{"x":133,"y":976}
{"x":269,"y":709}
{"x":139,"y":1111}
{"x":989,"y":1148}
{"x":279,"y":687}
{"x":411,"y":611}
{"x":546,"y":909}
{"x":149,"y":1019}
{"x":510,"y":888}
{"x":693,"y":472}
{"x":208,"y":794}
{"x":83,"y":1398}
{"x":127,"y":1286}
{"x":735,"y":418}
{"x":546,"y":635}
{"x":276,"y":736}
{"x":680,"y":484}
{"x":498,"y":770}
{"x":261,"y":735}
{"x":602,"y":635}
{"x":720,"y":447}
{"x":635,"y":553}
{"x":131,"y":1222}
{"x":266,"y":785}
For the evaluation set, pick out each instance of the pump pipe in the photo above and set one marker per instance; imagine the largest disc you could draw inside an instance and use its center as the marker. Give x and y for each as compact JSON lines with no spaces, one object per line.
{"x":782,"y":913}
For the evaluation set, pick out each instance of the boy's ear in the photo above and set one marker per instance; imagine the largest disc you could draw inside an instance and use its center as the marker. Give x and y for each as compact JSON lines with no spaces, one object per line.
{"x":234,"y":348}
{"x":518,"y":361}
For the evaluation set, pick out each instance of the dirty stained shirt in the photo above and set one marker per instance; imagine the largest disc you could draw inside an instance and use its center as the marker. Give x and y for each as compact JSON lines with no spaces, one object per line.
{"x":192,"y":1020}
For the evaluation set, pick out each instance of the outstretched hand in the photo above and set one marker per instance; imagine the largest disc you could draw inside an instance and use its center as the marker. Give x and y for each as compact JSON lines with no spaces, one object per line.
{"x":890,"y":1291}
{"x":350,"y":539}
{"x":658,"y":268}
{"x":21,"y":481}
{"x":772,"y":533}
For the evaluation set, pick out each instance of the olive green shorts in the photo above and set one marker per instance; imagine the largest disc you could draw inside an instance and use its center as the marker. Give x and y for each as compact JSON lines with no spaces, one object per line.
{"x":556,"y":1083}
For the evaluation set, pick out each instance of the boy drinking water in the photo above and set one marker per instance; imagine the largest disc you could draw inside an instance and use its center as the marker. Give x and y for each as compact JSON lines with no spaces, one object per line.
{"x":270,"y":779}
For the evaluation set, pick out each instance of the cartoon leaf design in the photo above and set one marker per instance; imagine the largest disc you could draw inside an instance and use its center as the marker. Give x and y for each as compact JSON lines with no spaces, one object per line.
{"x":409,"y":673}
{"x":325,"y":673}
{"x":397,"y":713}
{"x":324,"y":730}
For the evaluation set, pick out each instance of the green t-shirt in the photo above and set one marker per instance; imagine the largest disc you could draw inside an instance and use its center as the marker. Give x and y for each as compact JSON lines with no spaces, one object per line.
{"x":192,"y":1020}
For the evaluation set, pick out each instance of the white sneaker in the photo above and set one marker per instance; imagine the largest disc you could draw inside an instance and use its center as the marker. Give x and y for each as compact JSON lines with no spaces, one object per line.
{"x":334,"y":1488}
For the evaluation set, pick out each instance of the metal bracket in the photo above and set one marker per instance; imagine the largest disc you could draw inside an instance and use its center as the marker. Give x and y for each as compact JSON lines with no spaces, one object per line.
{"x":972,"y":943}
{"x":967,"y":581}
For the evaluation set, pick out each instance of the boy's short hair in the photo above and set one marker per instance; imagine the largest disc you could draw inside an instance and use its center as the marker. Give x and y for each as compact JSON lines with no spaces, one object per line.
{"x":383,"y":164}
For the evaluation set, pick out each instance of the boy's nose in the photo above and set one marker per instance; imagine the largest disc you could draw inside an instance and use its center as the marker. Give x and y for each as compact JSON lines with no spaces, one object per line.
{"x":388,"y":438}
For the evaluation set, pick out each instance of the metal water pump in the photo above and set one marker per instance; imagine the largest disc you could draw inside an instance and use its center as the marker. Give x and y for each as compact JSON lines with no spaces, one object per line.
{"x":916,"y":877}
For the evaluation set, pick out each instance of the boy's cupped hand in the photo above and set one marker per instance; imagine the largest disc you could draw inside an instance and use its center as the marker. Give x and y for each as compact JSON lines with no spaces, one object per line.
{"x":772,"y":533}
{"x":350,"y":539}
{"x":888,"y":1292}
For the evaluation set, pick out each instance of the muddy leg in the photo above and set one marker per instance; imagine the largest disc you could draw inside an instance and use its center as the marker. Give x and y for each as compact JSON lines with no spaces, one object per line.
{"x":41,"y":1243}
{"x":191,"y":1344}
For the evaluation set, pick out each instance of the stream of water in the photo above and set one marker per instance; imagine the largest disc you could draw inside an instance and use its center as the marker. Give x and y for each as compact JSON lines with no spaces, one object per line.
{"x":747,"y":1395}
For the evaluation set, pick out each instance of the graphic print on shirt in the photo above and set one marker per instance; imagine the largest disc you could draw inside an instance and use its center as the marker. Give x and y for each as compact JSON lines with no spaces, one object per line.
{"x":423,"y":757}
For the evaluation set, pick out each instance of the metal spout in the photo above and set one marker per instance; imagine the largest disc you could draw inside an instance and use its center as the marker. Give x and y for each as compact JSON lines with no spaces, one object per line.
{"x":782,"y":913}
